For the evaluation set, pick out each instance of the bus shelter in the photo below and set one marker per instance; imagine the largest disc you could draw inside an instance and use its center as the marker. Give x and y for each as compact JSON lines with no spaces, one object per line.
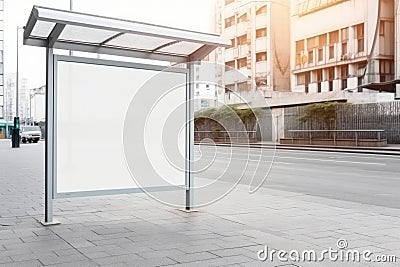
{"x":83,"y":91}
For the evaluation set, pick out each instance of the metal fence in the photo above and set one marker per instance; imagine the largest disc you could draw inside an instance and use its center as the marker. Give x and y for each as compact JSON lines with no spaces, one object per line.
{"x":385,"y":116}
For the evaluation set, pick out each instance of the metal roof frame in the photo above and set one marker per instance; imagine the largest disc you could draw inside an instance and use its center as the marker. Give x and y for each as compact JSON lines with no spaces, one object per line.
{"x":62,"y":18}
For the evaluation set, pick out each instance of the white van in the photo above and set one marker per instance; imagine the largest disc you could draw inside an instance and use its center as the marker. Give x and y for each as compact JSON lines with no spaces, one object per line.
{"x":30,"y":133}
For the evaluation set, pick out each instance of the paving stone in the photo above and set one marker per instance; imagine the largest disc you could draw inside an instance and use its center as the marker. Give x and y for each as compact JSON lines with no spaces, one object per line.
{"x":131,"y":258}
{"x":193,"y":257}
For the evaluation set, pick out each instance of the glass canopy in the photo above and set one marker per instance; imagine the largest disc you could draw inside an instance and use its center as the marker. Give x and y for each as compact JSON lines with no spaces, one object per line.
{"x":69,"y":30}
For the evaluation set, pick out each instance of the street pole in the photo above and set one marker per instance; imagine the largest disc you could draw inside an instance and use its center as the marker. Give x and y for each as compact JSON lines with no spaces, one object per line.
{"x":15,"y":132}
{"x":17,"y":77}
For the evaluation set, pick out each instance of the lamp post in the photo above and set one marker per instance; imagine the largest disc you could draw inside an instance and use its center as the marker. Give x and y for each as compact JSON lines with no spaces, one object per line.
{"x":15,"y":132}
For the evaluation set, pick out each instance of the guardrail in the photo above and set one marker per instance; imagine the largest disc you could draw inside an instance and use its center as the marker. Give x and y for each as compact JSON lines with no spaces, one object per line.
{"x":356,"y":134}
{"x":224,"y":136}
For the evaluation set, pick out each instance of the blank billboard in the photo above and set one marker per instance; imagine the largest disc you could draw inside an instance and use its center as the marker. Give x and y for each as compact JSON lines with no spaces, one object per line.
{"x":92,"y":100}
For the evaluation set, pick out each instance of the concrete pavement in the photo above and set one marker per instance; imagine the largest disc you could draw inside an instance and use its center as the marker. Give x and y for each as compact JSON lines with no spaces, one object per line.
{"x":134,"y":230}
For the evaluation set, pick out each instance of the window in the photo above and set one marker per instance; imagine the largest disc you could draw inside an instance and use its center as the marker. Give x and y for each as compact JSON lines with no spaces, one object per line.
{"x":320,"y":54}
{"x":345,"y":38}
{"x":261,"y":10}
{"x":311,"y":43}
{"x":307,"y":77}
{"x":299,"y":49}
{"x":242,"y":40}
{"x":331,"y":73}
{"x":301,"y":78}
{"x":261,"y":33}
{"x":386,"y":70}
{"x":322,"y":40}
{"x":242,"y":18}
{"x":233,"y":42}
{"x":382,"y":28}
{"x":345,"y":34}
{"x":360,"y":82}
{"x":242,"y":86}
{"x":307,"y":80}
{"x":229,"y":88}
{"x":333,"y":37}
{"x":319,"y":80}
{"x":331,"y":52}
{"x":230,"y":64}
{"x":344,"y":48}
{"x":262,"y":56}
{"x":344,"y":71}
{"x":242,"y":62}
{"x":359,"y":32}
{"x":229,"y":21}
{"x":310,"y":56}
{"x":319,"y":75}
{"x":227,"y":2}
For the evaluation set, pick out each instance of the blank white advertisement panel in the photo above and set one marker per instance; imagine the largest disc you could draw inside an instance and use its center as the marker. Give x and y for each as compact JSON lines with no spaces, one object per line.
{"x":92,"y":103}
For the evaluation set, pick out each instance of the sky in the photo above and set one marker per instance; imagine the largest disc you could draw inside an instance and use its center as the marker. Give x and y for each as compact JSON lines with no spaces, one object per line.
{"x":186,"y":14}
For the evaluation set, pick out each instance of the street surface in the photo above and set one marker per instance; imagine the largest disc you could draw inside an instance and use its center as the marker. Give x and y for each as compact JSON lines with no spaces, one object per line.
{"x":360,"y":178}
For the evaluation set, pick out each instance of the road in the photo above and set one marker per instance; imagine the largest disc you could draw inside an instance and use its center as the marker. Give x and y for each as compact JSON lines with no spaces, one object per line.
{"x":360,"y":178}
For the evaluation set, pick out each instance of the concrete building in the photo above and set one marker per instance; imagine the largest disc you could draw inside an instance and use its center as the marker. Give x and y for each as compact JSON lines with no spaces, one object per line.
{"x":206,"y":87}
{"x":9,"y":97}
{"x":1,"y":58}
{"x":37,"y":104}
{"x":339,"y":45}
{"x":259,"y":32}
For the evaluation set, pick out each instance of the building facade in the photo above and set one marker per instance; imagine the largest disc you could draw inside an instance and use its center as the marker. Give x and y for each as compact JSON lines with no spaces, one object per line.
{"x":260,"y":36}
{"x":341,"y":44}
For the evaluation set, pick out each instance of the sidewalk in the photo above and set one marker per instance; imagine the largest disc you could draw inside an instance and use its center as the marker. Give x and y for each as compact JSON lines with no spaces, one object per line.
{"x":134,"y":230}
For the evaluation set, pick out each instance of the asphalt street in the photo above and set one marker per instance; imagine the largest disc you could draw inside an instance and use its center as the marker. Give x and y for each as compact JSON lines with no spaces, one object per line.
{"x":361,"y":178}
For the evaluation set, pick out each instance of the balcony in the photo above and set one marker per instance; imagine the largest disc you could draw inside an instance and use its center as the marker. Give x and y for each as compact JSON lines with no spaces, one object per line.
{"x":242,"y":28}
{"x":261,"y":21}
{"x":230,"y":32}
{"x":245,"y":71}
{"x":261,"y":44}
{"x":243,"y":51}
{"x":262,"y":67}
{"x":231,"y":54}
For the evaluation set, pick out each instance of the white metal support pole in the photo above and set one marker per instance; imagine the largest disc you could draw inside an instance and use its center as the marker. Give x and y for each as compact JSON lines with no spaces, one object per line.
{"x":189,"y":138}
{"x":49,"y":144}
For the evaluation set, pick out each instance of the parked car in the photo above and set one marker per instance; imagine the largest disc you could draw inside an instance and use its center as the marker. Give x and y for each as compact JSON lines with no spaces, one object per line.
{"x":29,"y":134}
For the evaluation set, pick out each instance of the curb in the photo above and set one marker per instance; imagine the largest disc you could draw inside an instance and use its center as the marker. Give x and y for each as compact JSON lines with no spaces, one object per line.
{"x":362,"y":150}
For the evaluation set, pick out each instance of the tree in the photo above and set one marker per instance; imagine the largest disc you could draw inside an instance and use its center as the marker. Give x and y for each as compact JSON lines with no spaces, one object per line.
{"x":318,"y":114}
